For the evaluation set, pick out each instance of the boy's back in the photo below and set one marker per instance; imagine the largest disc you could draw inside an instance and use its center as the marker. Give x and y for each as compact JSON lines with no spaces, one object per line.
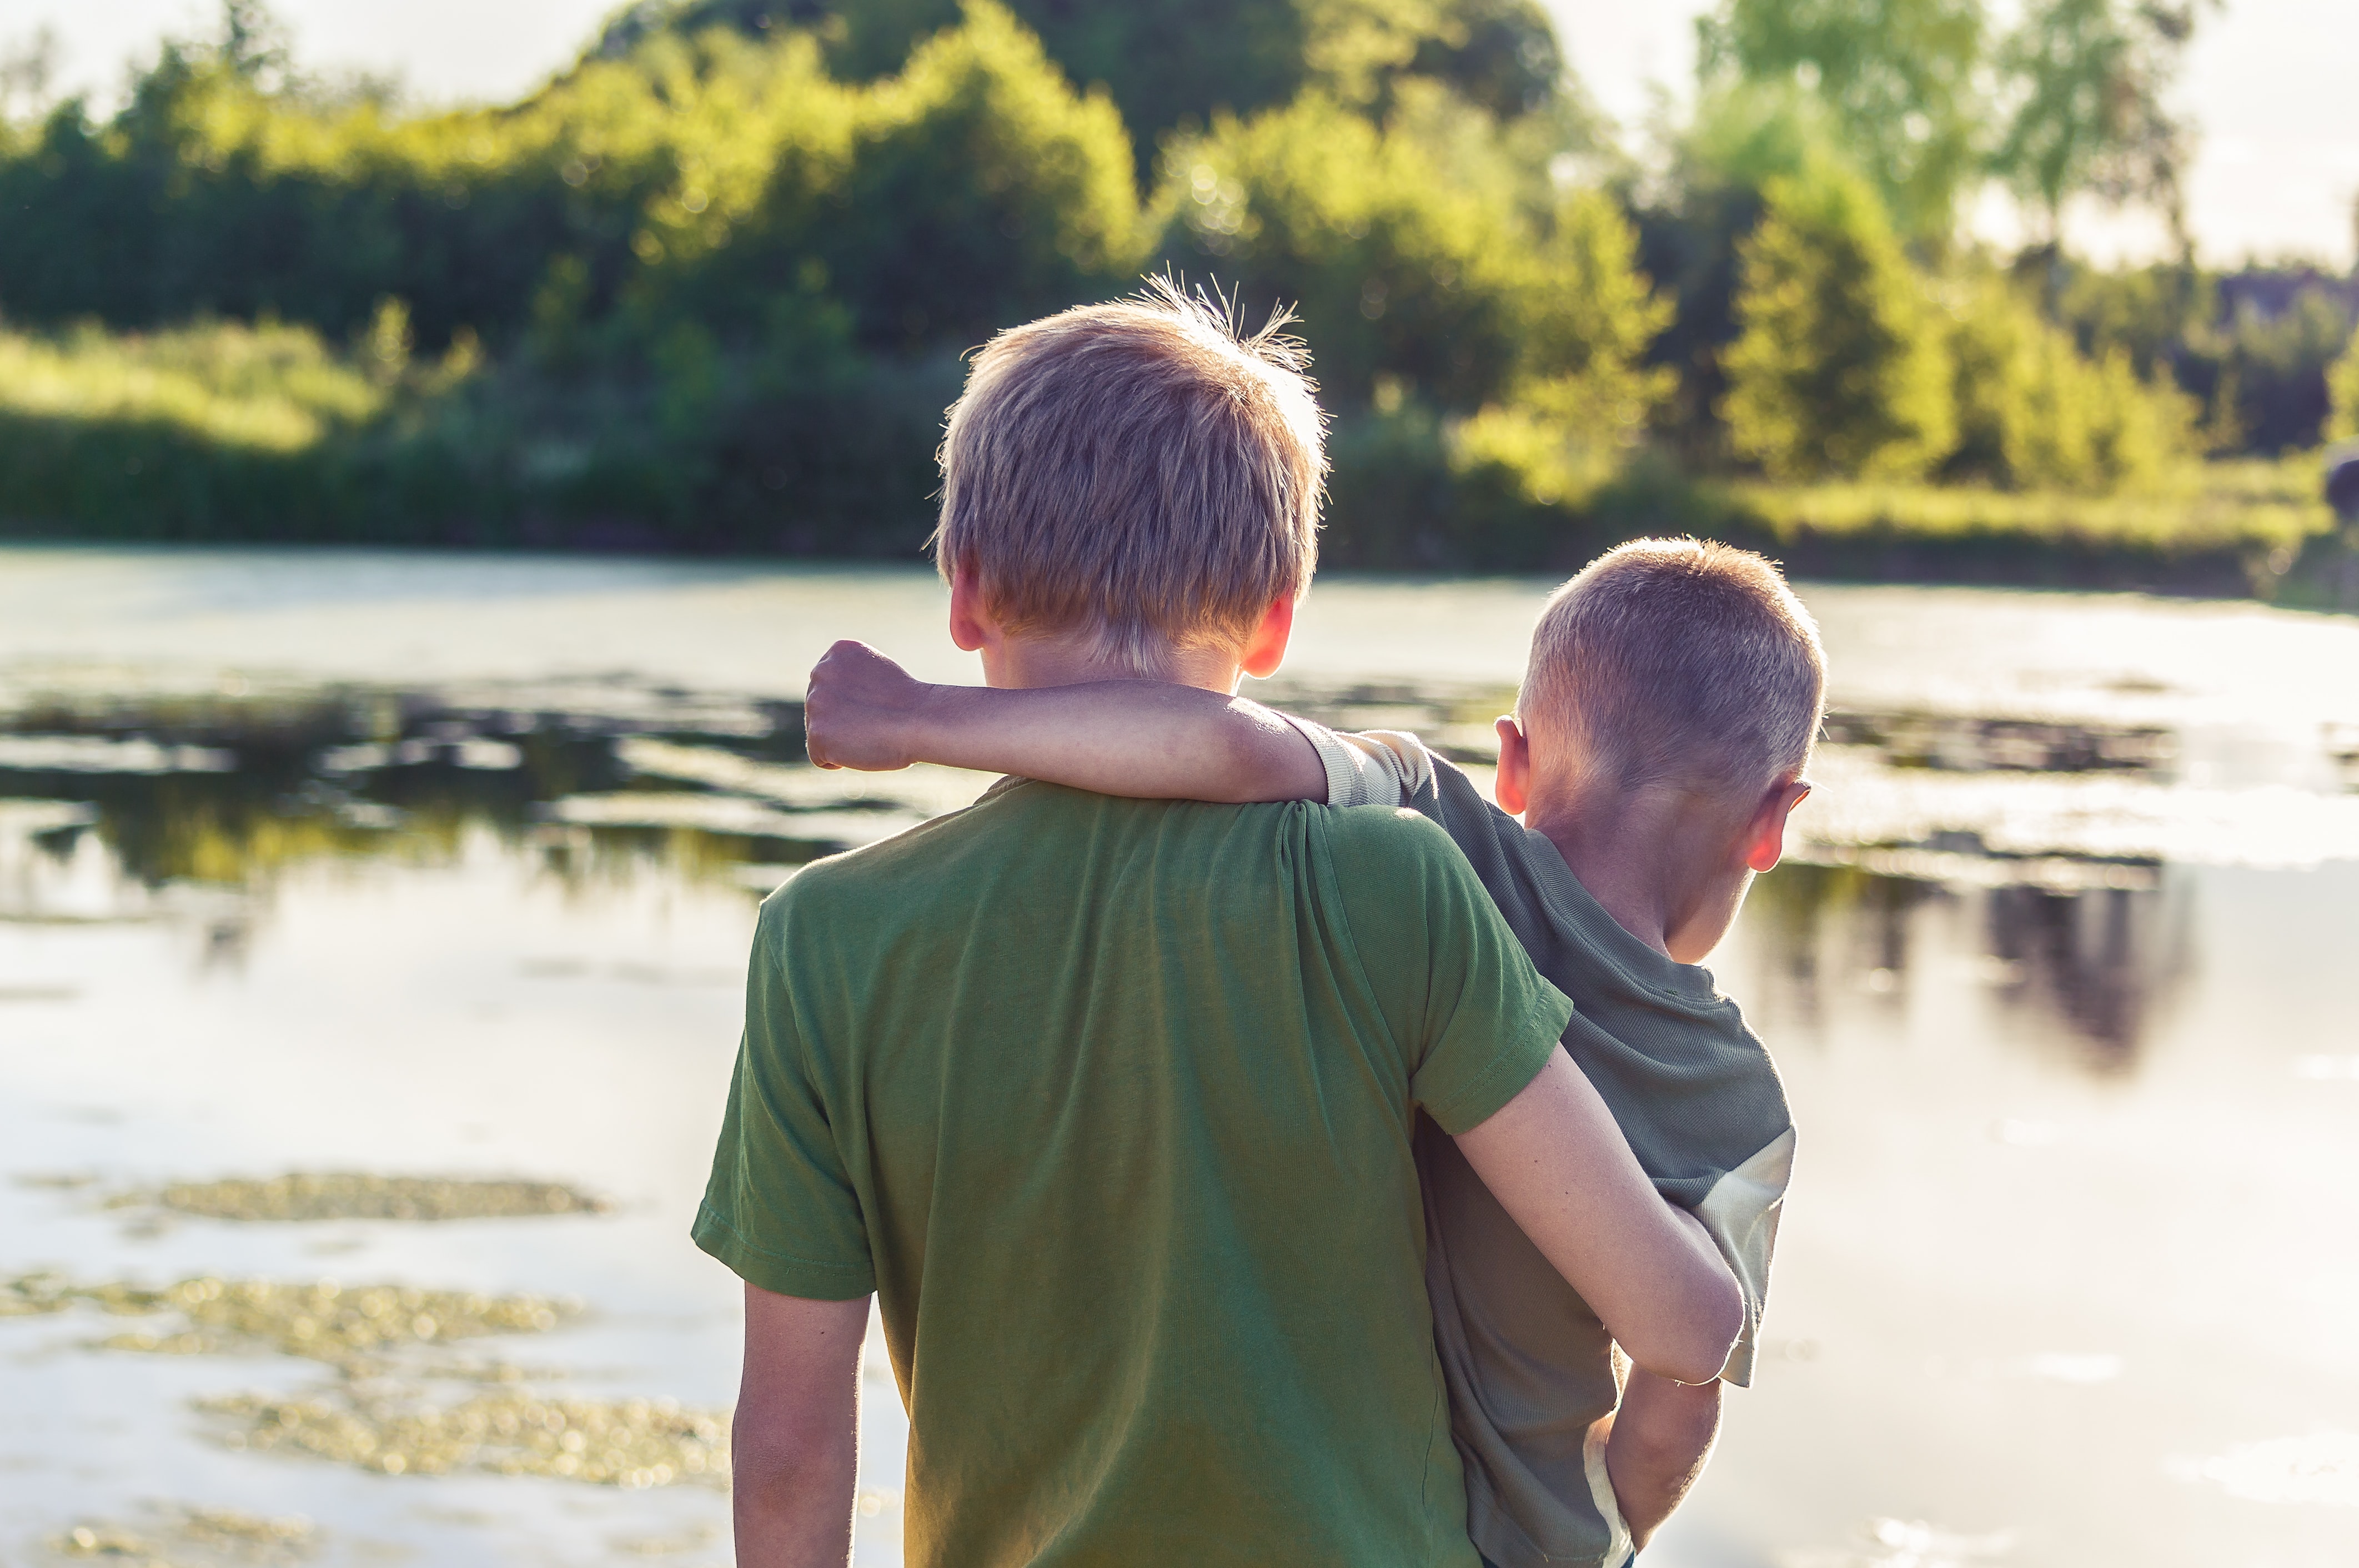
{"x":1150,"y":1069}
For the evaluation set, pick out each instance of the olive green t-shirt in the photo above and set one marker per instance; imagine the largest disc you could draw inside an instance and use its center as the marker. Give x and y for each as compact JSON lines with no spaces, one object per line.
{"x":1111,"y":1102}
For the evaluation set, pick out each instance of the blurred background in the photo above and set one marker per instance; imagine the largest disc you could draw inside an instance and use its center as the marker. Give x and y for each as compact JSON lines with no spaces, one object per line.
{"x":435,"y":440}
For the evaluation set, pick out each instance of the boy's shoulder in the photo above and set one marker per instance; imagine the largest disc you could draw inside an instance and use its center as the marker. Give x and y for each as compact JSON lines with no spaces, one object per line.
{"x":1025,"y":832}
{"x":1692,"y":1086}
{"x":1374,"y":837}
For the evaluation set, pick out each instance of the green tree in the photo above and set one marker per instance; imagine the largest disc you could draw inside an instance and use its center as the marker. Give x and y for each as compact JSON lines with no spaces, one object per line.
{"x":1581,"y":392}
{"x":1501,"y":54}
{"x":1426,"y":252}
{"x":2088,"y":79}
{"x":1741,"y":137}
{"x":1842,"y":369}
{"x":1392,"y":269}
{"x":2034,"y":413}
{"x":983,"y":190}
{"x":1900,"y":77}
{"x":1169,"y":63}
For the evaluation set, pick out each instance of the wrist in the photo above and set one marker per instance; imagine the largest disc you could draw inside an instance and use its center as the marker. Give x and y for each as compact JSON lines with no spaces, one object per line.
{"x":945,"y":725}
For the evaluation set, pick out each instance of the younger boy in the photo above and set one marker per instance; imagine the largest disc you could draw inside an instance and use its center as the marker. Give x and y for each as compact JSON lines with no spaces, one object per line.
{"x":1670,"y":705}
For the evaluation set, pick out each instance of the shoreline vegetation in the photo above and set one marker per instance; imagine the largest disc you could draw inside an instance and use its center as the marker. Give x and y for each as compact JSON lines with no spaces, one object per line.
{"x":710,"y":290}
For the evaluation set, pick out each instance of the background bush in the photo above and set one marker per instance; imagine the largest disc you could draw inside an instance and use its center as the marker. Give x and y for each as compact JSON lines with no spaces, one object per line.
{"x":710,"y":289}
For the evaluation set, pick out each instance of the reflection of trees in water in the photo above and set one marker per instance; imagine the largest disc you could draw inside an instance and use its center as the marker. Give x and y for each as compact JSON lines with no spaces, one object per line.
{"x":2099,"y":960}
{"x":2093,"y":965}
{"x":1808,"y":921}
{"x":286,"y":801}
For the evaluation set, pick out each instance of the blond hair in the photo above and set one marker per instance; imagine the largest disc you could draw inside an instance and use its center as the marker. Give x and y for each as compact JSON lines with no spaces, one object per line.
{"x":1678,"y":661}
{"x":1141,"y":472}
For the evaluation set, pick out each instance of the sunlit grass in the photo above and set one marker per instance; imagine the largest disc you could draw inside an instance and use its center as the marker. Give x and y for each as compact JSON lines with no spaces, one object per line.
{"x":271,"y":387}
{"x":2270,"y":503}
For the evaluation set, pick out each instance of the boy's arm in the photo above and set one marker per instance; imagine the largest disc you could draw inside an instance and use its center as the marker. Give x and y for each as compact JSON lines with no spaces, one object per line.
{"x":1558,"y":1165}
{"x":1657,"y":1442}
{"x":796,"y":1438}
{"x":1151,"y":739}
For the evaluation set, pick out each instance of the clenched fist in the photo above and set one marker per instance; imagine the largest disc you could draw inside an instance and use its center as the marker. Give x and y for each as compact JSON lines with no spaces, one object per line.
{"x":857,"y":711}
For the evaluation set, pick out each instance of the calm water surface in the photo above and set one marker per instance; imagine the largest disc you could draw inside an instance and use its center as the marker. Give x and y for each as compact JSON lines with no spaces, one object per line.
{"x":395,"y":866}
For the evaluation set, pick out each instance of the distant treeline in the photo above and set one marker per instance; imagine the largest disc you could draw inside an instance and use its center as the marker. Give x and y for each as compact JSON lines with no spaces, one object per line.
{"x":711,"y":287}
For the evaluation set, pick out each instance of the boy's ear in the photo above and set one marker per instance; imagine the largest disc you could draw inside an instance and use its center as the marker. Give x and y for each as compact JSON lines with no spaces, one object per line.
{"x":1515,"y":785}
{"x":971,"y":622}
{"x":1265,"y":649}
{"x":1765,"y":836}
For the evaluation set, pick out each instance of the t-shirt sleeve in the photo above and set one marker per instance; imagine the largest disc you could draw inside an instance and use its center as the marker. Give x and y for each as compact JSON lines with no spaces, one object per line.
{"x":781,"y":1210}
{"x":1474,"y":1018}
{"x":1376,"y":768}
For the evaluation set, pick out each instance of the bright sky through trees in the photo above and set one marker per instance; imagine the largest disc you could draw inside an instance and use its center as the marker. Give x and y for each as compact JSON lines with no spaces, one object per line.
{"x":2276,"y":172}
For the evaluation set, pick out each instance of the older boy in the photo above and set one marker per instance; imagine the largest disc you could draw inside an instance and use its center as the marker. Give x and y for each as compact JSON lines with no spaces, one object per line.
{"x":1670,"y":702}
{"x":1110,"y":1101}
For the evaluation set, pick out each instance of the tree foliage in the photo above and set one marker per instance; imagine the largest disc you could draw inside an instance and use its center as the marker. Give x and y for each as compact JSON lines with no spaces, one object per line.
{"x":711,"y":281}
{"x":711,"y":287}
{"x":1168,"y":63}
{"x":2088,"y":79}
{"x":1741,"y":137}
{"x":1842,"y":369}
{"x":971,"y":188}
{"x":1419,"y":251}
{"x":1899,"y":76}
{"x":2034,"y":413}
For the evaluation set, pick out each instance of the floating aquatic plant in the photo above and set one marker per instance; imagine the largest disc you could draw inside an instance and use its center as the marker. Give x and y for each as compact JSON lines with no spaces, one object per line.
{"x":195,"y":1537}
{"x":336,"y":1324}
{"x":608,"y":1442}
{"x":355,"y":1195}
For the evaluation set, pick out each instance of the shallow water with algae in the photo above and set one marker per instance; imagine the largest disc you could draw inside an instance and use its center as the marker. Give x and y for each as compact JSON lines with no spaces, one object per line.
{"x":371,"y":933}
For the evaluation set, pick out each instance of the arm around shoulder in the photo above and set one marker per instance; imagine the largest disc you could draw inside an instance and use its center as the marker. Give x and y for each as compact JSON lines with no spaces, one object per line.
{"x":1153,"y":740}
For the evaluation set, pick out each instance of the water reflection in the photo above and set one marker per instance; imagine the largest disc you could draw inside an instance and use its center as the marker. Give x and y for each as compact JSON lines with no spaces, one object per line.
{"x":1969,"y":743}
{"x":2101,"y":961}
{"x":2081,"y":974}
{"x":225,"y":794}
{"x":199,"y":805}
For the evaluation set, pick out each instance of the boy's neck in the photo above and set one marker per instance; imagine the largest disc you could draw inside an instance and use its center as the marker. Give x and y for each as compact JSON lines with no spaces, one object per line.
{"x":1646,"y":856}
{"x":1017,"y":663}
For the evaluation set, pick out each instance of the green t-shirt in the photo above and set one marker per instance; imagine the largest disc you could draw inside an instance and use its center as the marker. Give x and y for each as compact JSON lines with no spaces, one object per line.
{"x":1111,"y":1102}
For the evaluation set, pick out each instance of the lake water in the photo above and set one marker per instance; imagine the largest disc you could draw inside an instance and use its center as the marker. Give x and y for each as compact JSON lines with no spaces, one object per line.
{"x":428,"y":878}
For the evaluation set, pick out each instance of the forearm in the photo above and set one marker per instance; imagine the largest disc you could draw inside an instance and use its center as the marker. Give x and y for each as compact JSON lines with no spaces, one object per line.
{"x":1661,"y":1437}
{"x":791,"y":1509}
{"x":795,"y":1444}
{"x":1150,"y":739}
{"x":1558,"y":1165}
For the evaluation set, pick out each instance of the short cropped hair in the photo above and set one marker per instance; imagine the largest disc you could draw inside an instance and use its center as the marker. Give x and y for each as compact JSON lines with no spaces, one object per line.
{"x":1142,"y":471}
{"x":1679,"y":661}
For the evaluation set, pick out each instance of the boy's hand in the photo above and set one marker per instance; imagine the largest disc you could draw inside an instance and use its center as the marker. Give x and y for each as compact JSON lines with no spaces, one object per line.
{"x":857,"y":709}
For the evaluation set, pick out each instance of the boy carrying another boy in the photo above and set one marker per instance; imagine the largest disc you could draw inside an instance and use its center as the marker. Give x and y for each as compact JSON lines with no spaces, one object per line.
{"x":1111,"y":1102}
{"x":1670,"y":702}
